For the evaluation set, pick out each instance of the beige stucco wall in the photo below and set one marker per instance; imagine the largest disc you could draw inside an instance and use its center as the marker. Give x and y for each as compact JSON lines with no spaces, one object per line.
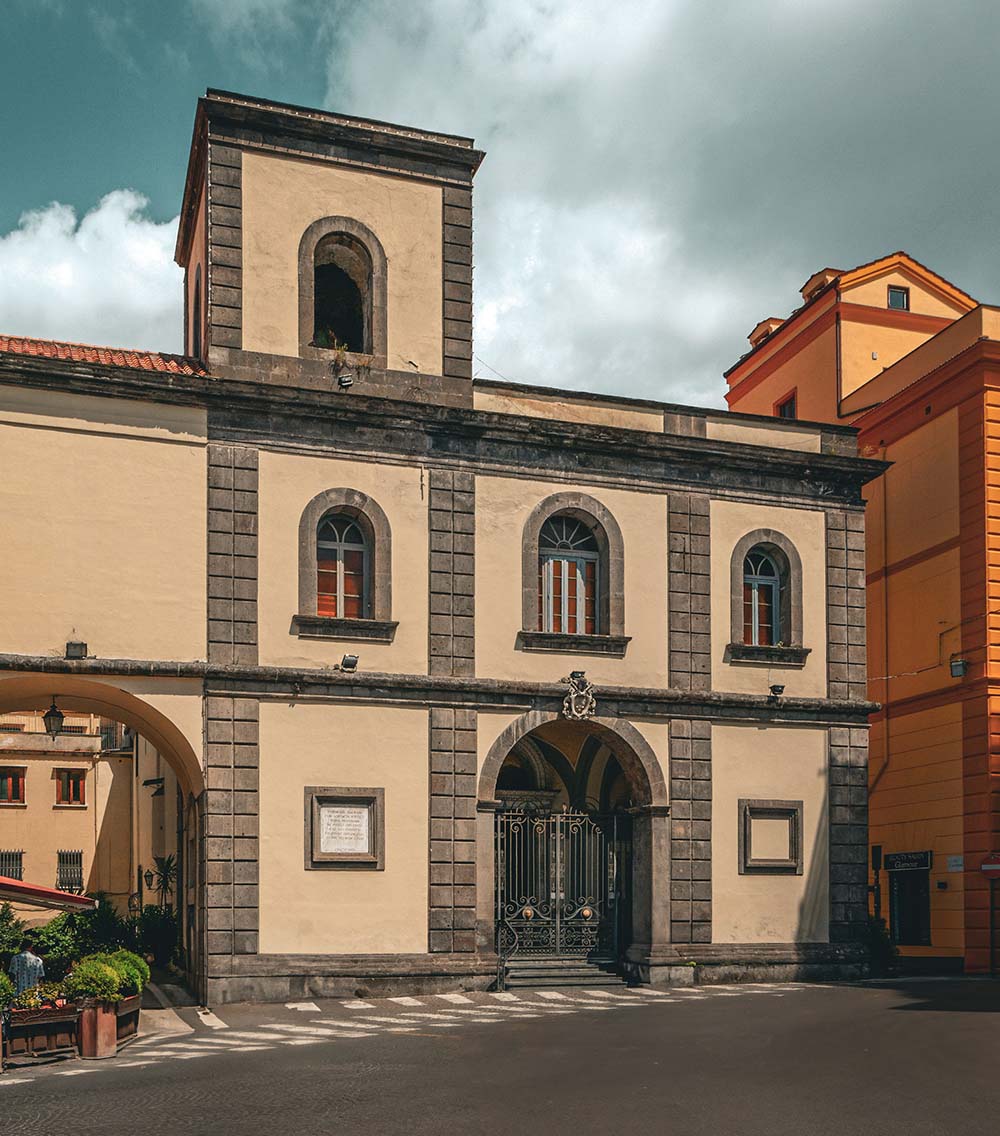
{"x":769,"y":763}
{"x":806,"y":529}
{"x":778,"y":437}
{"x":288,"y":483}
{"x":503,"y":505}
{"x":343,"y":911}
{"x":283,"y":196}
{"x":104,"y":506}
{"x":565,"y":409}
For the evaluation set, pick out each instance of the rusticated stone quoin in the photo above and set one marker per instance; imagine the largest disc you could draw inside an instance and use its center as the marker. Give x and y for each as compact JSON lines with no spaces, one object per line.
{"x":689,"y":583}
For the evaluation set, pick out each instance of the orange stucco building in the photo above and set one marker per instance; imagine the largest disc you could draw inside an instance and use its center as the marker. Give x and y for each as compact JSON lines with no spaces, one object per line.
{"x":913,"y":363}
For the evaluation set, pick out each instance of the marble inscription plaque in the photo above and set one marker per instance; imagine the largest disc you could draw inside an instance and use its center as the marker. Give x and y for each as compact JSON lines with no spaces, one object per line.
{"x":345,"y":829}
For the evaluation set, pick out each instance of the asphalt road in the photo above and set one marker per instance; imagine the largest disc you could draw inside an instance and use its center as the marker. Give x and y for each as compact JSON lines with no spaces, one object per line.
{"x":918,"y":1058}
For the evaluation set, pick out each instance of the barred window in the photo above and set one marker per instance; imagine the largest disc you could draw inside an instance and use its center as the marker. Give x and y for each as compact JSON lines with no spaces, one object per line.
{"x":12,"y":864}
{"x":69,"y":871}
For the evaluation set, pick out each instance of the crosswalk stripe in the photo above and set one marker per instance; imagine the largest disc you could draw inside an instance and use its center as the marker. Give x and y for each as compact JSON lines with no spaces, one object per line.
{"x":304,"y":1007}
{"x":209,"y":1019}
{"x":14,"y":1081}
{"x":357,"y":1004}
{"x":504,"y":996}
{"x":73,"y":1072}
{"x":553,"y":995}
{"x":406,"y":1001}
{"x":454,"y":997}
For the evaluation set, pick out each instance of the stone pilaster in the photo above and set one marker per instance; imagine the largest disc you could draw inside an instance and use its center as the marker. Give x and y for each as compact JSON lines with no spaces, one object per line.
{"x":225,"y":240}
{"x":457,"y":282}
{"x":231,"y":844}
{"x":848,"y":833}
{"x":452,"y":525}
{"x":845,"y":604}
{"x":690,"y":832}
{"x":232,"y":554}
{"x":453,"y":762}
{"x":689,"y":587}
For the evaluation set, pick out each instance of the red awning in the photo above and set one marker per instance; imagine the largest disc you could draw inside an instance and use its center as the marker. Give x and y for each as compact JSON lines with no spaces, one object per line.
{"x":15,"y":891}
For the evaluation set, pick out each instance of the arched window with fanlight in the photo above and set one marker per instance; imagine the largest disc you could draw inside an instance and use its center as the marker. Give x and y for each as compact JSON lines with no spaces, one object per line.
{"x":766,"y":601}
{"x":762,"y":587}
{"x":345,"y":568}
{"x":343,"y":556}
{"x":568,"y":577}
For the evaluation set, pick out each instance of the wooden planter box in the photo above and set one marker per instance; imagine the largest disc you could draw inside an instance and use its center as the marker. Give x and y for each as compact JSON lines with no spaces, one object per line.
{"x":127,"y":1014}
{"x":106,"y":1025}
{"x":35,"y":1033}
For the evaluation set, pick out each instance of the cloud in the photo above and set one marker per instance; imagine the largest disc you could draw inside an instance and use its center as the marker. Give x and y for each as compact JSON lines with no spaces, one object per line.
{"x":661,"y":174}
{"x":107,"y":279}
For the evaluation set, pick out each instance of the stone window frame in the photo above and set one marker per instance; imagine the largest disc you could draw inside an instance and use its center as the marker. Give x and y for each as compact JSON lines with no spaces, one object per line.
{"x":792,"y":653}
{"x":370,"y":517}
{"x":314,"y":796}
{"x":611,"y":639}
{"x":750,"y":810}
{"x":354,"y":230}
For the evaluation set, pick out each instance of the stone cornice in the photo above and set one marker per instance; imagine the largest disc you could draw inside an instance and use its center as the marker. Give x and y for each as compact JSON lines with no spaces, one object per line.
{"x":306,"y":684}
{"x":270,"y":415}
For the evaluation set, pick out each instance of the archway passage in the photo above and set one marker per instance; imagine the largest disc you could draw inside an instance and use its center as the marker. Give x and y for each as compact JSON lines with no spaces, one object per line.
{"x":105,"y":799}
{"x":564,"y":850}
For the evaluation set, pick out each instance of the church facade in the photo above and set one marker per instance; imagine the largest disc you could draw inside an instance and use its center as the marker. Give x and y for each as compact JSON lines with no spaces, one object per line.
{"x":456,"y":677}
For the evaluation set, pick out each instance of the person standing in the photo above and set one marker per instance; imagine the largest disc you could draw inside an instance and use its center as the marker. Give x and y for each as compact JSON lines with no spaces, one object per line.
{"x":26,"y":969}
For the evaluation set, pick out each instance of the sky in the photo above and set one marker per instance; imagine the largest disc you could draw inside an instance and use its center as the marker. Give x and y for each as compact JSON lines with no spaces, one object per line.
{"x":659,"y":175}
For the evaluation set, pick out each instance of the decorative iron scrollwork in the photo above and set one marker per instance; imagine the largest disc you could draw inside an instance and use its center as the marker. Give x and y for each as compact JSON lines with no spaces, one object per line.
{"x":579,"y":703}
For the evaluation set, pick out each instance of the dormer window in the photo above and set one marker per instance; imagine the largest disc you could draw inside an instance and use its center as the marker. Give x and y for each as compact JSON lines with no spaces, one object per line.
{"x":342,"y":294}
{"x":899,"y":298}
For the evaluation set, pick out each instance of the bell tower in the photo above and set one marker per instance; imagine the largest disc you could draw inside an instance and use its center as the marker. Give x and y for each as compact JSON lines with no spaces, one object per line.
{"x":324,"y":251}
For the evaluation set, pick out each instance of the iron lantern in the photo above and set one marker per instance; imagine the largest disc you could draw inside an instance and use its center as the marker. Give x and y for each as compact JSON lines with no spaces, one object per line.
{"x":53,"y":719}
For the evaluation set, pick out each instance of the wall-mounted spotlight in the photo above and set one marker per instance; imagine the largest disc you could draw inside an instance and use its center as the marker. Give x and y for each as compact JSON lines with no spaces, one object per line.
{"x":53,"y":719}
{"x":345,"y":379}
{"x":777,"y":690}
{"x":959,"y":668}
{"x":348,"y":663}
{"x":76,"y":650}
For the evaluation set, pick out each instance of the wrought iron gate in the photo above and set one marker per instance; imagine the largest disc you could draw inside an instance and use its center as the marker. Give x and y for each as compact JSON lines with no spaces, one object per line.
{"x":563,"y":884}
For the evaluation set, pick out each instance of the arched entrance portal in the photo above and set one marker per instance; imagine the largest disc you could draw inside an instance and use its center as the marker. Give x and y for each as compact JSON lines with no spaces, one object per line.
{"x":103,"y":783}
{"x":573,"y":865}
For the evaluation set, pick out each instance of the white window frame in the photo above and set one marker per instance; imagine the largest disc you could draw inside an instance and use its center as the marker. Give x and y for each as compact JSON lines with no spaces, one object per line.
{"x":567,"y":559}
{"x":338,"y":548}
{"x":757,"y":582}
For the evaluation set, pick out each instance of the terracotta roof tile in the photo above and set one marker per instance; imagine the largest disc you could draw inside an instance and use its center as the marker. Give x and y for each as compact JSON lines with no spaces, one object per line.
{"x":104,"y":356}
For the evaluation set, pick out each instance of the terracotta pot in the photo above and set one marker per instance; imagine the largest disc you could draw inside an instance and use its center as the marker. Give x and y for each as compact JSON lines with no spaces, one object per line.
{"x":98,"y":1028}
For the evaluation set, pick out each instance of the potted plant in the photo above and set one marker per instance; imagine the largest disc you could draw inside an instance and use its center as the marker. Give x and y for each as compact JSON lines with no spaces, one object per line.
{"x":41,"y":1021}
{"x":95,"y":987}
{"x":108,"y":988}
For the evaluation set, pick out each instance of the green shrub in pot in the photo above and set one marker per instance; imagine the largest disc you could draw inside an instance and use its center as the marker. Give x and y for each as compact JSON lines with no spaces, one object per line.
{"x":134,"y":961}
{"x":6,"y":991}
{"x":91,"y":978}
